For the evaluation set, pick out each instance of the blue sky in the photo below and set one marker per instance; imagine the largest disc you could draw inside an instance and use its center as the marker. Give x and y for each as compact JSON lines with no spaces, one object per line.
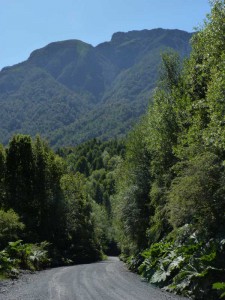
{"x":26,"y":25}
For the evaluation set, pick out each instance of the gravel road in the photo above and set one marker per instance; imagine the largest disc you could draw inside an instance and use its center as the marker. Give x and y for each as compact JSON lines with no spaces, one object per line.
{"x":106,"y":280}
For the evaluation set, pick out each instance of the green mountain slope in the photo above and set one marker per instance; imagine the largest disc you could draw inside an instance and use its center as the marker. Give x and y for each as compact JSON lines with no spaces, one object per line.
{"x":70,"y":91}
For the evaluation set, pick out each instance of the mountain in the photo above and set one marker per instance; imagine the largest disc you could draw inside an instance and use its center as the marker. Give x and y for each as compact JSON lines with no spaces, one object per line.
{"x":70,"y":91}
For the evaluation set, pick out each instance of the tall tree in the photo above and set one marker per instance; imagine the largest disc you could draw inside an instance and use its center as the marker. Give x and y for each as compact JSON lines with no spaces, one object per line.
{"x":81,"y":244}
{"x":2,"y":175}
{"x":20,"y":180}
{"x":132,"y":199}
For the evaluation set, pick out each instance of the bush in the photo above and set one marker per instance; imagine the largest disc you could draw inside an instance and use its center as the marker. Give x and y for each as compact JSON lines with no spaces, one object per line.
{"x":186,"y":265}
{"x":10,"y":227}
{"x":23,"y":256}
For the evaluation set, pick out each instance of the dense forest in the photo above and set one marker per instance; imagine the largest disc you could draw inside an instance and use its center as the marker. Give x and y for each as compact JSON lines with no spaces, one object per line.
{"x":170,"y":196}
{"x":55,"y":208}
{"x":98,"y":162}
{"x":157,"y":198}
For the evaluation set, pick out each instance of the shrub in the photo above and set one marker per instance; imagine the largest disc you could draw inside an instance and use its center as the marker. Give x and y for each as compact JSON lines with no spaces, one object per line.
{"x":10,"y":227}
{"x":23,"y":256}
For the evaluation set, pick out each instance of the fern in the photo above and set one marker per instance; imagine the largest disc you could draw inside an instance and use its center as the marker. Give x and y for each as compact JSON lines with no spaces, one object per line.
{"x":26,"y":256}
{"x":220,"y":286}
{"x":185,"y":266}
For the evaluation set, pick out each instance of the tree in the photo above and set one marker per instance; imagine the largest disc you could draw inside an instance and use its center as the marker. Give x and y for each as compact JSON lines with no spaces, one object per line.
{"x":48,"y":196}
{"x":20,"y":180}
{"x":197,"y":194}
{"x":131,"y":204}
{"x":2,"y":175}
{"x":203,"y":87}
{"x":82,"y":166}
{"x":161,"y":138}
{"x":81,"y":244}
{"x":170,"y":71}
{"x":10,"y":227}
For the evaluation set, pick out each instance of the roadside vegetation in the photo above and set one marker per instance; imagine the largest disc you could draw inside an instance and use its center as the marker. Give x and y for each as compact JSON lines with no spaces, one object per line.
{"x":170,"y":200}
{"x":42,"y":201}
{"x":55,"y":208}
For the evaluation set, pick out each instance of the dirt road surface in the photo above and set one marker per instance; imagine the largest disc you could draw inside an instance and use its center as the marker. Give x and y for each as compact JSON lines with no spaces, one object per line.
{"x":106,"y":280}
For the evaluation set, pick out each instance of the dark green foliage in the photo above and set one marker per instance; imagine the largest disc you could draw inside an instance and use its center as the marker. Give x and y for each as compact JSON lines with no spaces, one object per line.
{"x":82,"y":166}
{"x":63,"y":200}
{"x":33,"y":187}
{"x":170,"y":71}
{"x":10,"y":227}
{"x":75,"y":92}
{"x":186,"y":264}
{"x":184,"y":138}
{"x":197,"y":194}
{"x":220,"y":286}
{"x":97,"y":162}
{"x":80,"y":244}
{"x":53,"y":205}
{"x":20,"y":176}
{"x":2,"y":175}
{"x":18,"y":255}
{"x":131,"y":203}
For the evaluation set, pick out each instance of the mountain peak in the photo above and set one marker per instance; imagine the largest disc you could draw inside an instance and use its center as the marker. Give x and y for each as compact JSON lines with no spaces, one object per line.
{"x":70,"y":91}
{"x":120,"y":36}
{"x":52,"y":49}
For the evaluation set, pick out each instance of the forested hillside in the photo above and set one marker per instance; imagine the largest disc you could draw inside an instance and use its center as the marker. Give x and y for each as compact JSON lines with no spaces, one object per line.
{"x":71,"y":91}
{"x":170,"y":198}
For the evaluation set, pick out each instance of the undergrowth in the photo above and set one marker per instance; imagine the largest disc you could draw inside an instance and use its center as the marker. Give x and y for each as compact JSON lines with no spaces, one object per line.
{"x":184,"y":265}
{"x":18,"y":255}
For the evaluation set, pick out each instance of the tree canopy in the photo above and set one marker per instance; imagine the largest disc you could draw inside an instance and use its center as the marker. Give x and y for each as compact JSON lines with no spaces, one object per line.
{"x":176,"y":154}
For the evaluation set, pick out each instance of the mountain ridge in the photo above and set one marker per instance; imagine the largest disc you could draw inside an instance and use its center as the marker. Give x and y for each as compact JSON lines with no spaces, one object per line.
{"x":69,"y":83}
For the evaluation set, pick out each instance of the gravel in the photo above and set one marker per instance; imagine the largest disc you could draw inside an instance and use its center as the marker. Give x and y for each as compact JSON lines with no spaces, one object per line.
{"x":106,"y":280}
